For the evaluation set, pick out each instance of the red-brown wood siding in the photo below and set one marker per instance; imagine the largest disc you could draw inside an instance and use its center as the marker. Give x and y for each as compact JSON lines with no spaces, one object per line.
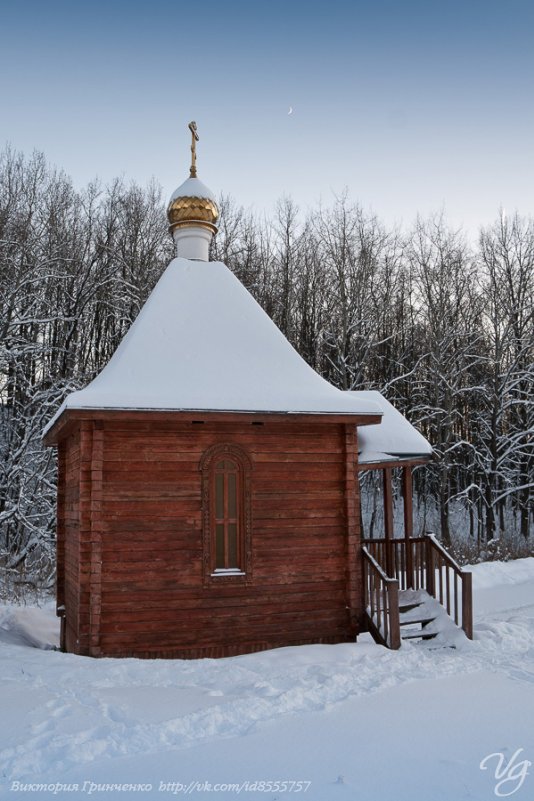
{"x":84,"y":543}
{"x":140,"y":546}
{"x":352,"y":504}
{"x":68,"y":573}
{"x":60,"y":524}
{"x":97,"y":497}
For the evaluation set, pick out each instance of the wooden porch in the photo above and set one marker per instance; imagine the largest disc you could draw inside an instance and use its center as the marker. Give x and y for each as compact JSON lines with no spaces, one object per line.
{"x":404,"y":577}
{"x":418,"y":564}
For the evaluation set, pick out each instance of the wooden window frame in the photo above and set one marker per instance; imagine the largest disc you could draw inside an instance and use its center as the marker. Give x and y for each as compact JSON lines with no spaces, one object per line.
{"x":207,"y":466}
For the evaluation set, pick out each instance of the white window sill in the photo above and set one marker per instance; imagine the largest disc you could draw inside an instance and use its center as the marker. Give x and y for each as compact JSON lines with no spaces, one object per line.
{"x":231,"y":571}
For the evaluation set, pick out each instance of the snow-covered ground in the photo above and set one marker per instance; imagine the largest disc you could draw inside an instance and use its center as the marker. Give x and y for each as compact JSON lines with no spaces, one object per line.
{"x":326,"y":722}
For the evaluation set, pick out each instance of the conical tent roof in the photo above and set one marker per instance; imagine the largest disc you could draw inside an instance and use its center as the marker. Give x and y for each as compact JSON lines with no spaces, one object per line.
{"x":201,"y":342}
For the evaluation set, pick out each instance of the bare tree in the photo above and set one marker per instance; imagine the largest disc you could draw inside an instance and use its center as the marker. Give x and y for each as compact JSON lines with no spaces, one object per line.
{"x":507,"y":253}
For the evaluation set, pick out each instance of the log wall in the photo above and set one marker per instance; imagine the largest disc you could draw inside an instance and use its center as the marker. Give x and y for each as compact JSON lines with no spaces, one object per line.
{"x":68,"y":568}
{"x":134,"y":547}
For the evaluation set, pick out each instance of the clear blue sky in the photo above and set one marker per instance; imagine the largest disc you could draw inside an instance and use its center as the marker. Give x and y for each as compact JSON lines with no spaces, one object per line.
{"x":413,"y":106}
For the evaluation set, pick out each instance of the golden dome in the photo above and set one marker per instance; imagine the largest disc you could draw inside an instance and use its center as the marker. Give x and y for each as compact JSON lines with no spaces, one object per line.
{"x":193,"y":203}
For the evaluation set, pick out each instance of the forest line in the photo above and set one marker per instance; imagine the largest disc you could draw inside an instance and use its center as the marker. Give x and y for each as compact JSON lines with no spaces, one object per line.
{"x":443,"y":328}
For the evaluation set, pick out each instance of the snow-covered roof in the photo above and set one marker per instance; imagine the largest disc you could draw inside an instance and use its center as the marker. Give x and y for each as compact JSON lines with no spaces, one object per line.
{"x":395,"y":437}
{"x":201,"y":342}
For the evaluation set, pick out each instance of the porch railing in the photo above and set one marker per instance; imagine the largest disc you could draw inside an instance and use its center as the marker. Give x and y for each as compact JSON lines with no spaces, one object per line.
{"x":450,"y":584}
{"x":423,"y":563}
{"x":381,"y":602}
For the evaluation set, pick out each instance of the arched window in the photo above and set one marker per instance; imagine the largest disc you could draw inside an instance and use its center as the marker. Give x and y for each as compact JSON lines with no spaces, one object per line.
{"x":226,"y":512}
{"x":226,"y":492}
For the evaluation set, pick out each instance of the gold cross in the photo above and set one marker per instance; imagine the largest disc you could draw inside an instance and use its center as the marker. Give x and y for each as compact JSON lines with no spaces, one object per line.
{"x":194,"y":140}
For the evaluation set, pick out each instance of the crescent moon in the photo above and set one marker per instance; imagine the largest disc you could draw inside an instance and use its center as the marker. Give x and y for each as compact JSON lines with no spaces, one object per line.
{"x":290,"y":110}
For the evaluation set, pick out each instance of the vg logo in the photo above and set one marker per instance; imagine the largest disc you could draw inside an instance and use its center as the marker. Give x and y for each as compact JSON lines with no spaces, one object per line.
{"x":510,"y":775}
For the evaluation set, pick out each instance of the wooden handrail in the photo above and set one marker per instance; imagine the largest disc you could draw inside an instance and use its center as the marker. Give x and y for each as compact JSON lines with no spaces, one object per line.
{"x":439,"y":566}
{"x":375,"y":564}
{"x":381,"y":602}
{"x":445,"y":554}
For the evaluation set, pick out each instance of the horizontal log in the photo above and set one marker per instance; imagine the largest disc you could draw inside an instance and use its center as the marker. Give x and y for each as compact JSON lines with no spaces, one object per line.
{"x":206,"y":630}
{"x":215,"y":652}
{"x":159,"y":526}
{"x":258,"y":612}
{"x":166,"y":507}
{"x":121,"y":457}
{"x":189,"y":577}
{"x":321,"y":555}
{"x":270,"y":532}
{"x":313,"y":486}
{"x":147,"y":550}
{"x":194,"y":449}
{"x":115,"y":645}
{"x":160,"y":578}
{"x":144,"y":639}
{"x":297,"y":513}
{"x":331,"y":592}
{"x":327,"y":502}
{"x":159,"y":584}
{"x":287,"y":595}
{"x":149,"y":494}
{"x":188,"y":472}
{"x":190,"y":487}
{"x":271,"y":537}
{"x":185,"y":569}
{"x":218,"y":612}
{"x":302,"y":523}
{"x":220,"y":431}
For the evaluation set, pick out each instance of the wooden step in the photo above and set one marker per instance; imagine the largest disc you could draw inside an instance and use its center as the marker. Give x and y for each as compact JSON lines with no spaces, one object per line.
{"x":423,"y":620}
{"x":419,"y":634}
{"x":406,"y":607}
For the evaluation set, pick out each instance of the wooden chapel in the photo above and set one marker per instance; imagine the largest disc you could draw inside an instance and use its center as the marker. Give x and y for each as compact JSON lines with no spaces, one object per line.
{"x":208,"y":498}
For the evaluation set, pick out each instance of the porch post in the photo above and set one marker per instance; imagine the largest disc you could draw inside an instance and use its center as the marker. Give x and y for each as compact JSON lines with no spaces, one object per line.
{"x":388,"y":521}
{"x":407,"y":496}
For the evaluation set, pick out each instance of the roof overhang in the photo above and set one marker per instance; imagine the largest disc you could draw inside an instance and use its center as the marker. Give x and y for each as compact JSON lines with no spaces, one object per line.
{"x":68,"y":419}
{"x":391,"y":461}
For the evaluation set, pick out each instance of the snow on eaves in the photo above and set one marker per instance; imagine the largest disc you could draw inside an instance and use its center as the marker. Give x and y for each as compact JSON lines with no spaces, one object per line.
{"x":375,"y":457}
{"x":201,"y":342}
{"x":394,"y":437}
